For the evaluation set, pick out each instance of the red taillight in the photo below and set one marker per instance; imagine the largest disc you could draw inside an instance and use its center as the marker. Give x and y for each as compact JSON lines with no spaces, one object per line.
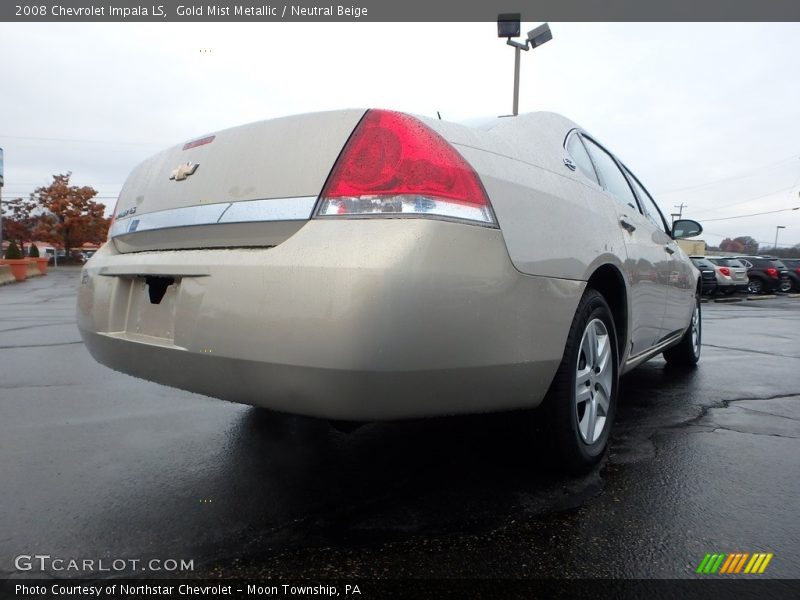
{"x":725,"y":271}
{"x":394,"y":163}
{"x":797,"y":270}
{"x":772,"y":272}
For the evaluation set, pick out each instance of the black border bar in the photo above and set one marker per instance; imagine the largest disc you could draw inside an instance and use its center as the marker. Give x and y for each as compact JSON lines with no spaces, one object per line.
{"x":396,"y":11}
{"x":704,"y":588}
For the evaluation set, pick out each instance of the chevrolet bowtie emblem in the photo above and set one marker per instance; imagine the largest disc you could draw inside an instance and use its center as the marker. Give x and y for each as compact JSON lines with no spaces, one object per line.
{"x":183,"y":171}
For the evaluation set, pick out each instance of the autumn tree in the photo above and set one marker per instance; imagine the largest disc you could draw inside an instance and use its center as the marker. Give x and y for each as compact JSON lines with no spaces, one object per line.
{"x":17,"y":220}
{"x":69,"y":215}
{"x":729,"y":245}
{"x":749,"y":245}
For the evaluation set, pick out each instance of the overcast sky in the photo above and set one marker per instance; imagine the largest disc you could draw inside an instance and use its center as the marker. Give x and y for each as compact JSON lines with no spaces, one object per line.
{"x":706,"y":115}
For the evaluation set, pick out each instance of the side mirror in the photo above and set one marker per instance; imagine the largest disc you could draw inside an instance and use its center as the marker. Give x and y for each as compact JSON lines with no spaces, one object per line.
{"x":686,"y":228}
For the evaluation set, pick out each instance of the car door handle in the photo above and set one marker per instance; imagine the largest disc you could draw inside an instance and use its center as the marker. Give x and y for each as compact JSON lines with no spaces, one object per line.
{"x":627,"y":225}
{"x":669,"y":249}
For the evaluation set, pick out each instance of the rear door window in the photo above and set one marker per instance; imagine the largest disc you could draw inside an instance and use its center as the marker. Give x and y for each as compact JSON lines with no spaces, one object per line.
{"x":649,"y":206}
{"x":611,"y":178}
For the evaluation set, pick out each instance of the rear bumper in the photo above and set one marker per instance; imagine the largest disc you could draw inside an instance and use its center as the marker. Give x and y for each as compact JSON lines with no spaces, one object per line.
{"x":730,"y":285}
{"x":709,"y":286}
{"x":352,"y":319}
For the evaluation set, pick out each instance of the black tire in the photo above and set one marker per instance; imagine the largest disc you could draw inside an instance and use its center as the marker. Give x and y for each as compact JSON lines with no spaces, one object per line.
{"x":345,"y":427}
{"x":755,"y":286}
{"x":687,"y":352}
{"x":786,"y":287}
{"x":574,"y":451}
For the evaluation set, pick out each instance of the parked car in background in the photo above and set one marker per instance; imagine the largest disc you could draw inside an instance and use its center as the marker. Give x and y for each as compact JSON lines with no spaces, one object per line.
{"x":708,"y":274}
{"x":731,"y":274}
{"x":362,"y":265}
{"x":793,"y":270}
{"x":766,"y":274}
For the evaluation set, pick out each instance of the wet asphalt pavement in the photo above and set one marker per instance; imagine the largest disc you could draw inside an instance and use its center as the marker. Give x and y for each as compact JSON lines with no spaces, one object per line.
{"x":95,"y":464}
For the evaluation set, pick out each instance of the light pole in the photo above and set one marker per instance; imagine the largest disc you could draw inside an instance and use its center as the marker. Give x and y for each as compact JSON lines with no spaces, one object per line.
{"x":508,"y":26}
{"x":777,"y":229}
{"x":1,"y":202}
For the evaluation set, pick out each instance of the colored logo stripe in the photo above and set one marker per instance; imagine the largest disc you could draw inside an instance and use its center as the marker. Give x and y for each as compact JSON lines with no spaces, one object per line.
{"x":734,"y":562}
{"x":728,"y":562}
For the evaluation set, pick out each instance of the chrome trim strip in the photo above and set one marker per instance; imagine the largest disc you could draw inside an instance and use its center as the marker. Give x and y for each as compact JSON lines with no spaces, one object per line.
{"x":283,"y":209}
{"x":634,"y":361}
{"x":154,"y":270}
{"x":247,"y":211}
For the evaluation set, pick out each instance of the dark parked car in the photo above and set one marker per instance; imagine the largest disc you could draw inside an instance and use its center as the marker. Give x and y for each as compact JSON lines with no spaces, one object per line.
{"x":793,"y":268}
{"x":766,"y":274}
{"x":708,"y":275}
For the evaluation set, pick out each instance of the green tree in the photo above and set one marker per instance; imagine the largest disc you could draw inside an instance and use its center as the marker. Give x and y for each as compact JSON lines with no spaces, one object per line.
{"x":13,"y":252}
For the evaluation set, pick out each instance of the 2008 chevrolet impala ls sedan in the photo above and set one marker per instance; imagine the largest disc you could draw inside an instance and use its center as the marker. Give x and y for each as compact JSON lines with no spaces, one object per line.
{"x":369,"y":265}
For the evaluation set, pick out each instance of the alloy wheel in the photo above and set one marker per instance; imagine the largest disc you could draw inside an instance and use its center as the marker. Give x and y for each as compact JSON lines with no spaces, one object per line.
{"x":593,"y":381}
{"x":695,"y":329}
{"x":755,"y":286}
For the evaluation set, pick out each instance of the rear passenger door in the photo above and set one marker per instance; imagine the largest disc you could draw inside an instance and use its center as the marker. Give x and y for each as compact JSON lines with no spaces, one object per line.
{"x":647,"y":265}
{"x":680,"y":288}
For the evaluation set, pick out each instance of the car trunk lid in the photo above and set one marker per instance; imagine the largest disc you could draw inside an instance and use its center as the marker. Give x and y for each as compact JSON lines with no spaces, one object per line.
{"x":253,"y":185}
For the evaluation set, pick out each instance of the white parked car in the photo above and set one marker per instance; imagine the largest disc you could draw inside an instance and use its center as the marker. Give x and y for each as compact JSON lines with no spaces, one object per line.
{"x":367,"y":265}
{"x":731,"y":274}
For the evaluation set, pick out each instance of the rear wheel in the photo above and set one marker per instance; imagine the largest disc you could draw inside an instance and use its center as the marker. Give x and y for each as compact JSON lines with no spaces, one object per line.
{"x":582,"y":398}
{"x":755,"y":286}
{"x":687,"y":352}
{"x":786,"y":286}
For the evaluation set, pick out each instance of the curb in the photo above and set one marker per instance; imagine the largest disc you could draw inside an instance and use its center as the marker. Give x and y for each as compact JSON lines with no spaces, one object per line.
{"x":728,"y":300}
{"x":761,"y":297}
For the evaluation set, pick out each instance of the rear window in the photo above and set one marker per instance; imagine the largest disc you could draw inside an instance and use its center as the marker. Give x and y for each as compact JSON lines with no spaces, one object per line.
{"x":791,"y":262}
{"x":702,"y":262}
{"x":727,"y":262}
{"x":760,"y":262}
{"x":581,"y":157}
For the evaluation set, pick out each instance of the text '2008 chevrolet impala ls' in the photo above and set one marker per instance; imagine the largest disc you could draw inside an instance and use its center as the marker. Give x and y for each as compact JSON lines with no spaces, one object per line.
{"x":365,"y":265}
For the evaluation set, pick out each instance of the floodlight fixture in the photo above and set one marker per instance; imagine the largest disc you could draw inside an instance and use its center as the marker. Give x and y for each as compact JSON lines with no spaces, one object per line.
{"x":540,"y":35}
{"x":508,"y":25}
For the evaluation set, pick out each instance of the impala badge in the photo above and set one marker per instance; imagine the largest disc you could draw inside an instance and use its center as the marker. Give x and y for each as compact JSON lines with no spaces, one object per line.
{"x":183,"y":171}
